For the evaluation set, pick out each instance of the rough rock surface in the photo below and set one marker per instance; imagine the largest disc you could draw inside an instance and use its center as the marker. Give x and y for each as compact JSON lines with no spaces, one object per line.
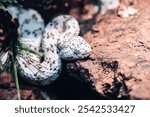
{"x":120,"y":62}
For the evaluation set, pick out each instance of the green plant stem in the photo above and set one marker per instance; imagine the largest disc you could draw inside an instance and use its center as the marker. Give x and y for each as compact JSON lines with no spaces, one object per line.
{"x":16,"y":76}
{"x":24,"y":47}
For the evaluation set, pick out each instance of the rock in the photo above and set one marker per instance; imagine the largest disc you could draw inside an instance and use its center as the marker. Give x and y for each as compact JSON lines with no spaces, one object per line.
{"x":8,"y":89}
{"x":7,"y":94}
{"x":11,"y":94}
{"x":5,"y":78}
{"x":141,"y":90}
{"x":120,"y":68}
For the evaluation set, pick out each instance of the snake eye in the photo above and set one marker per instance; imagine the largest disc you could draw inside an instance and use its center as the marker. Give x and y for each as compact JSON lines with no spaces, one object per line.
{"x":76,"y":52}
{"x":50,"y":24}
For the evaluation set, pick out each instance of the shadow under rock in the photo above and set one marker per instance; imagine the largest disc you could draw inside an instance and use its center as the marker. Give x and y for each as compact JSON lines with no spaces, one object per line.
{"x":70,"y":88}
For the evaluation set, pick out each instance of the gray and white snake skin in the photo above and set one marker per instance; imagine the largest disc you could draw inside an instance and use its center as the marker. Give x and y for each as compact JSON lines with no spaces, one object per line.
{"x":59,"y":40}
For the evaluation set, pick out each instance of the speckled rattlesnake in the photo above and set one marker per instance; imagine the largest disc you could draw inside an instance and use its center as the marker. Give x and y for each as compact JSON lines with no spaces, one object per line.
{"x":59,"y":39}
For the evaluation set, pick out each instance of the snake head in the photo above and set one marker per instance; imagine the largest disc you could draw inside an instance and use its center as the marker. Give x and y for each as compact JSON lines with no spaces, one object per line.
{"x":76,"y":48}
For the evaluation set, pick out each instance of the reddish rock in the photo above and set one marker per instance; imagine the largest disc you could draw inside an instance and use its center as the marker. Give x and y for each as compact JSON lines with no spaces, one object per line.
{"x":28,"y":94}
{"x":5,"y":78}
{"x":121,"y":53}
{"x":7,"y":94}
{"x":11,"y":94}
{"x":141,"y":90}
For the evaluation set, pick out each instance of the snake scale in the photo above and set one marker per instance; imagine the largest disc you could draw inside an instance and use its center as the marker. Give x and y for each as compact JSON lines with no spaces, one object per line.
{"x":59,"y":39}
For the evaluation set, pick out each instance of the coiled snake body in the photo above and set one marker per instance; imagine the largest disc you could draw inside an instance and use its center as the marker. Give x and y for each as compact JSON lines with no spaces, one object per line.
{"x":58,"y":40}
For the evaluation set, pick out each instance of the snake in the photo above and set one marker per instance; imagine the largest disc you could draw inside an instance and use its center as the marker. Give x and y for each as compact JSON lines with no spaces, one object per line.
{"x":59,"y":39}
